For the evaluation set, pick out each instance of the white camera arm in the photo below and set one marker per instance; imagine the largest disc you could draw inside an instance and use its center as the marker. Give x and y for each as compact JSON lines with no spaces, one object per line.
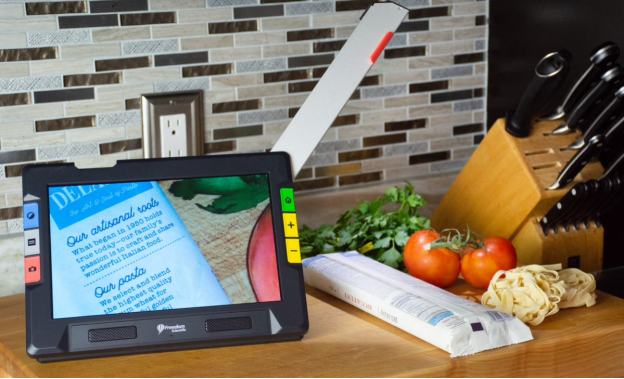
{"x":332,"y":92}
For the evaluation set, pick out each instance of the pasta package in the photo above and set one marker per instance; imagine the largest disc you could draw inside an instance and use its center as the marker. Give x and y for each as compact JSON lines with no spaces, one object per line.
{"x":449,"y":322}
{"x":534,"y":292}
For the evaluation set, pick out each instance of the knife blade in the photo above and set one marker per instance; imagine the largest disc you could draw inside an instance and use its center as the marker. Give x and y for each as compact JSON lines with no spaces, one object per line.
{"x":563,"y":206}
{"x":608,"y":112}
{"x":578,"y":162}
{"x":602,"y":57}
{"x":550,"y":73}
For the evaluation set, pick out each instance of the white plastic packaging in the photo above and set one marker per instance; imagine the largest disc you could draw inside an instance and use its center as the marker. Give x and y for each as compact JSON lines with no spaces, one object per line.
{"x":449,"y":322}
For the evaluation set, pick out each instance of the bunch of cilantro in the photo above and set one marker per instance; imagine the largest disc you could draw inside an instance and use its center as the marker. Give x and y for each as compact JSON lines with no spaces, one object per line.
{"x":371,"y":228}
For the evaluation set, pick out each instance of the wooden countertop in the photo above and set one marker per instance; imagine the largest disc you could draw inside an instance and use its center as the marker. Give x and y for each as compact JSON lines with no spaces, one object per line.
{"x":345,"y":342}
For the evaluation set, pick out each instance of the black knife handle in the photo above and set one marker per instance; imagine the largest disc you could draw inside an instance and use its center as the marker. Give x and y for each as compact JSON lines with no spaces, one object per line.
{"x":570,"y":208}
{"x":601,"y":57}
{"x":578,"y":162}
{"x":559,"y":210}
{"x":615,"y":129}
{"x":615,"y":167}
{"x":615,"y":78}
{"x":584,"y":109}
{"x":605,"y":115}
{"x":550,"y":73}
{"x":608,"y":81}
{"x":609,"y":202}
{"x":583,"y":210}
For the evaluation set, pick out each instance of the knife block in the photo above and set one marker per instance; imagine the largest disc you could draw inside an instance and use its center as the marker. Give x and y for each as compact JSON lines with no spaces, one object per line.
{"x":569,"y":247}
{"x":502,"y":190}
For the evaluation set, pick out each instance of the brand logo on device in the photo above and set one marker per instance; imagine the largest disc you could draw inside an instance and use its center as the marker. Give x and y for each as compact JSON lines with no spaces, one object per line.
{"x":173,"y":328}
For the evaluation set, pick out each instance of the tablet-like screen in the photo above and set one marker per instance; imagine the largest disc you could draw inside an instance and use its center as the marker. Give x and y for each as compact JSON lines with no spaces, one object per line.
{"x":159,"y":245}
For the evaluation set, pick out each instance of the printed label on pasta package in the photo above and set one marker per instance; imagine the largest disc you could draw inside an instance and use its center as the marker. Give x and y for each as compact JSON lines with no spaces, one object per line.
{"x":432,"y":314}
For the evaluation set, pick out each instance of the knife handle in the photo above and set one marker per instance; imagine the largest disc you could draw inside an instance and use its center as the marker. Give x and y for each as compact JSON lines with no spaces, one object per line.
{"x":550,"y":73}
{"x":605,"y":115}
{"x":614,"y":78}
{"x":547,"y":222}
{"x":601,"y":58}
{"x":581,"y":111}
{"x":585,"y":208}
{"x":608,"y":81}
{"x":615,"y":167}
{"x":551,"y":219}
{"x":612,"y":202}
{"x":578,"y":162}
{"x":615,"y":129}
{"x":608,"y":198}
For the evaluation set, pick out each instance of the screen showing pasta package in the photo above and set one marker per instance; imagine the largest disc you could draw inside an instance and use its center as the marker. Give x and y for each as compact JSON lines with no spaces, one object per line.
{"x":158,"y":245}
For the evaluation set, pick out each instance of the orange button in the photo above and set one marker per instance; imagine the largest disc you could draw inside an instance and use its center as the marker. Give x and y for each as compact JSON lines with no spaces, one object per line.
{"x":32,"y":269}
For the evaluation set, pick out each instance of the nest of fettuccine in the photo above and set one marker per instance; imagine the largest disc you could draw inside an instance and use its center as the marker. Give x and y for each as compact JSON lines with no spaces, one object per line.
{"x":532,"y":293}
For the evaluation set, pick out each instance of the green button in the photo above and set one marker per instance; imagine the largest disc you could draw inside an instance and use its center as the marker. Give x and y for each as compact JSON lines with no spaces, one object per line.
{"x":288,"y":199}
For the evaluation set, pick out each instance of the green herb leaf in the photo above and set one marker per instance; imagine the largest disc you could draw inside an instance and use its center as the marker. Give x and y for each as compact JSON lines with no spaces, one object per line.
{"x":391,"y":257}
{"x":393,"y":194}
{"x":384,"y":242}
{"x":370,"y":223}
{"x":401,"y":238}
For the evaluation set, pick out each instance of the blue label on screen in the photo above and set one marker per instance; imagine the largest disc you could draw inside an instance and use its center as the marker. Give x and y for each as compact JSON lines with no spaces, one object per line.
{"x":122,"y":248}
{"x":69,"y":205}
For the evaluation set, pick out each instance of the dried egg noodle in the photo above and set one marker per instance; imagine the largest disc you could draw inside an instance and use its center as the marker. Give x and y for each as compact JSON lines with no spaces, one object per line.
{"x":531,"y":293}
{"x":580,"y":288}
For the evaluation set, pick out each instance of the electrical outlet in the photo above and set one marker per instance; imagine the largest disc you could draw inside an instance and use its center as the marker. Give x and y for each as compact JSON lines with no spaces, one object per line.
{"x":172,"y":124}
{"x":173,"y":135}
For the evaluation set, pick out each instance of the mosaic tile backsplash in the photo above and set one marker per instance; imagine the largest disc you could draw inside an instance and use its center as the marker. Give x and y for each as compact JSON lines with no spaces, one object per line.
{"x":72,"y":72}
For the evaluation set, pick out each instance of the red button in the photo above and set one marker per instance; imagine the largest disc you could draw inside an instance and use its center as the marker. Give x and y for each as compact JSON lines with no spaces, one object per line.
{"x":32,"y":269}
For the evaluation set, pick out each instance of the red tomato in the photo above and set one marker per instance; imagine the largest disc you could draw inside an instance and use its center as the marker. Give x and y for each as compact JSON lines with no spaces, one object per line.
{"x":478,"y":266}
{"x":262,"y":260}
{"x":439,"y":267}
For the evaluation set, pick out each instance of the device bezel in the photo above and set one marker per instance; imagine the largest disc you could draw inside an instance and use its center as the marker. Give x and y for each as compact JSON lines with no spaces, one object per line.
{"x":48,"y":336}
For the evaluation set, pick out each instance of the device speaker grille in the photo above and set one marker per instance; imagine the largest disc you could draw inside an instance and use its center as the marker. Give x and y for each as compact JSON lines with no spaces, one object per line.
{"x":226,"y":324}
{"x":113,"y":334}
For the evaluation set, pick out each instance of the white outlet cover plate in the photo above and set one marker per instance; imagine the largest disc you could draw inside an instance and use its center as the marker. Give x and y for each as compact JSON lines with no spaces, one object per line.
{"x":173,"y":135}
{"x":156,"y":106}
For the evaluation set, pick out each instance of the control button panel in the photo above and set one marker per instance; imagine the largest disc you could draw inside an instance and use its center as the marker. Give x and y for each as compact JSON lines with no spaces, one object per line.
{"x":31,"y":242}
{"x":291,"y":230}
{"x":290,"y":225}
{"x":31,"y":216}
{"x":288,"y":200}
{"x":293,"y":250}
{"x":32,"y":269}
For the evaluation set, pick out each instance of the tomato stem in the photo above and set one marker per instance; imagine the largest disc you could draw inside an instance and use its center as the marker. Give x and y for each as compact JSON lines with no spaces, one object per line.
{"x":457,"y":242}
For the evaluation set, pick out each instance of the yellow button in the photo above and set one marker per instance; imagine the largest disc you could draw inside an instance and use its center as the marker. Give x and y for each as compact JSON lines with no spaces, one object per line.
{"x":293,"y":250}
{"x":290,"y":225}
